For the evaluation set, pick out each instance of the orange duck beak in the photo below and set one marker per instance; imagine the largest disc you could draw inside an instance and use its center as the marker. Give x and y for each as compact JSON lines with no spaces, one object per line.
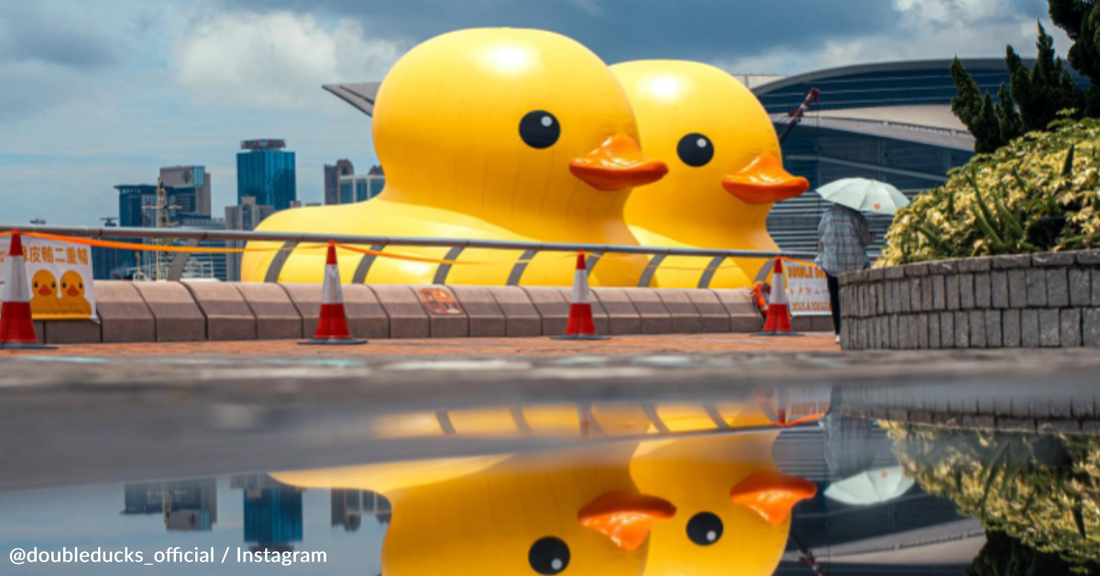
{"x":625,"y":517}
{"x":772,"y":495}
{"x":764,"y":181}
{"x":618,"y":164}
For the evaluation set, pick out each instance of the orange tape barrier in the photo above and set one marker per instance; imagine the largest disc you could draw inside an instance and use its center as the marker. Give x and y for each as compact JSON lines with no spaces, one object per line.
{"x":159,"y":248}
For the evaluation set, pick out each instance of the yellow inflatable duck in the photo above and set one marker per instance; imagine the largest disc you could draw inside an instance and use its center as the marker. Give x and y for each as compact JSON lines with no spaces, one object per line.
{"x":725,"y":168}
{"x":44,"y":301}
{"x":733,"y":507}
{"x":73,"y":301}
{"x":499,"y":134}
{"x":572,"y":512}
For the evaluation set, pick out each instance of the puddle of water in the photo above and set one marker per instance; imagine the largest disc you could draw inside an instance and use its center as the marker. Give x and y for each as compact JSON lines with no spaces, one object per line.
{"x":758,"y":483}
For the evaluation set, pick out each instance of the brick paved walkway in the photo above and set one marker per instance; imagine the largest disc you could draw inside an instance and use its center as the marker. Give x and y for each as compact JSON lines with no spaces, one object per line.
{"x":667,"y":343}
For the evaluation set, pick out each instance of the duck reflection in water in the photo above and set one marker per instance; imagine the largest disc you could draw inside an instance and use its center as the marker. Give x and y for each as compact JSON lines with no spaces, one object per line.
{"x":713,"y":504}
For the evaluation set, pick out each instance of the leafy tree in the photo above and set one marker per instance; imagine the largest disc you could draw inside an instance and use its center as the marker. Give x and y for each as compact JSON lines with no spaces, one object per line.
{"x":1036,"y":95}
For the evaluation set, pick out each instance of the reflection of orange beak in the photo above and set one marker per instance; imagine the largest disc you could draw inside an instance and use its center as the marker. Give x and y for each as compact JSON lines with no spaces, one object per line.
{"x":617,"y":164}
{"x":72,"y":291}
{"x":625,"y":517}
{"x":764,"y":181}
{"x":44,"y":291}
{"x":772,"y":495}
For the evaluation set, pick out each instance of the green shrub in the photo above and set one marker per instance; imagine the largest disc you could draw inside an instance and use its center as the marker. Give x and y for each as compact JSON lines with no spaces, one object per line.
{"x":1043,"y":491}
{"x":1038,"y":193}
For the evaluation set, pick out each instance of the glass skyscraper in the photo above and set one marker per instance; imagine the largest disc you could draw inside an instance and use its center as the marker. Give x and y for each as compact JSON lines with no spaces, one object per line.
{"x":266,"y":172}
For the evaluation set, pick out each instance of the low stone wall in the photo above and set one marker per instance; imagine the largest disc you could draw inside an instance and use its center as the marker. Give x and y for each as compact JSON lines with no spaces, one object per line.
{"x":1020,"y":301}
{"x":196,"y":311}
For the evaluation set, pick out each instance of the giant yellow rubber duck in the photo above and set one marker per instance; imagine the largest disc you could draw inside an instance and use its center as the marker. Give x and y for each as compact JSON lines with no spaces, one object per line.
{"x":44,"y":301}
{"x":733,"y":506}
{"x":499,"y":134}
{"x":73,"y":302}
{"x":571,"y":512}
{"x":725,"y":168}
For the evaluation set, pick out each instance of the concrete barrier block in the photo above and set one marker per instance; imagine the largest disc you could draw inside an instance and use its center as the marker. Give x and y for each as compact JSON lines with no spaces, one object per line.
{"x":685,"y":317}
{"x":485,"y":315}
{"x":276,"y":316}
{"x":712,"y":315}
{"x":366,"y":317}
{"x":654,"y":315}
{"x":520,"y":315}
{"x":228,"y":316}
{"x":553,"y":306}
{"x":623,"y":318}
{"x":178,"y":318}
{"x":447,"y":315}
{"x":744,"y":316}
{"x":123,"y":313}
{"x":408,"y":319}
{"x":68,"y":332}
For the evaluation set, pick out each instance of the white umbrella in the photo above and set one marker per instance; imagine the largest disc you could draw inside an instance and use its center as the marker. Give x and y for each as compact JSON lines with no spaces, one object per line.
{"x":864,"y":195}
{"x":870,"y":487}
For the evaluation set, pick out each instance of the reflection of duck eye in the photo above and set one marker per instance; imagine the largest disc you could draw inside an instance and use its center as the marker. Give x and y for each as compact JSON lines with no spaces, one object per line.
{"x":549,"y":556}
{"x":539,"y":129}
{"x":695,"y":150}
{"x":704,"y":529}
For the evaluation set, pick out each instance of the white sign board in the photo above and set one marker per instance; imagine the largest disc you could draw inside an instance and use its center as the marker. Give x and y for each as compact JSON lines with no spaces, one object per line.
{"x":807,"y":289}
{"x":60,"y":274}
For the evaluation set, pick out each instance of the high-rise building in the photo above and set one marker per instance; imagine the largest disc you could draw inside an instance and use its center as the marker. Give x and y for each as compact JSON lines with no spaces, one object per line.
{"x":112,"y":263}
{"x":361,"y":187}
{"x":272,"y":511}
{"x":245,"y":216}
{"x":184,"y":504}
{"x":266,"y":172}
{"x":333,"y":173}
{"x":191,"y":186}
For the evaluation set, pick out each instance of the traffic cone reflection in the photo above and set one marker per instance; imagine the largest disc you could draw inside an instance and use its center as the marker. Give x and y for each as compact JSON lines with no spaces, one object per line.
{"x":16,"y":325}
{"x":778,"y":315}
{"x":332,"y":323}
{"x":580,"y":325}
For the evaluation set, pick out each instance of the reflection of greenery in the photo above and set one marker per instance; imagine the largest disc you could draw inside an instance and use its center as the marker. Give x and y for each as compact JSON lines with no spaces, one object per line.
{"x":1041,"y":490}
{"x":1040,"y":192}
{"x":1003,"y":555}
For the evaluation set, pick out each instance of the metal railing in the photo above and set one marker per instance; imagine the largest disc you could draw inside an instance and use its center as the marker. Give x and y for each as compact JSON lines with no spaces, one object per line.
{"x":291,"y":240}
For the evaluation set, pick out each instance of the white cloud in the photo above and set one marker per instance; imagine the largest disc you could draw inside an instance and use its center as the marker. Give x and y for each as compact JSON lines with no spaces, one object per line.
{"x":276,"y":60}
{"x":925,"y":29}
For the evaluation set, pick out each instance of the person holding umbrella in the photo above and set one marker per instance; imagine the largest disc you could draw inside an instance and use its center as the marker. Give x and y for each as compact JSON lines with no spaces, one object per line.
{"x":843,"y":234}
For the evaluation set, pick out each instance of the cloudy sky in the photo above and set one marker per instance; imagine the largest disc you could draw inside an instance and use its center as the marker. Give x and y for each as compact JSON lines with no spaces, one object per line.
{"x":95,"y":93}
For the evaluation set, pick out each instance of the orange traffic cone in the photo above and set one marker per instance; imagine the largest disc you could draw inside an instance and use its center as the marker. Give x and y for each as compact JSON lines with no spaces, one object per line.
{"x":332,"y":324}
{"x":580,"y":325}
{"x":16,"y":324}
{"x":778,"y":315}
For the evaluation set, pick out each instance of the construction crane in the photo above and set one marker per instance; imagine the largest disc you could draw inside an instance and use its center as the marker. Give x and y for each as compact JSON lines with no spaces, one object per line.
{"x":795,"y":116}
{"x":162,"y":218}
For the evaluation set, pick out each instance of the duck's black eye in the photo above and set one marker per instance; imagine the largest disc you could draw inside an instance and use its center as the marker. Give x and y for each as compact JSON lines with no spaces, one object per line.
{"x":704,"y":529}
{"x":549,"y":556}
{"x":539,"y":129}
{"x":695,"y":150}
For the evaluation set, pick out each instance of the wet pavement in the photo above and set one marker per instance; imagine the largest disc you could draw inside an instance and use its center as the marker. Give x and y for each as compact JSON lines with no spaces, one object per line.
{"x":665,"y":343}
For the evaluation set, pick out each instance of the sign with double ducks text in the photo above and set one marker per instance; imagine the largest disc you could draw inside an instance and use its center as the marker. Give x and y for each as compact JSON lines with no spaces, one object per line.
{"x":60,"y":276}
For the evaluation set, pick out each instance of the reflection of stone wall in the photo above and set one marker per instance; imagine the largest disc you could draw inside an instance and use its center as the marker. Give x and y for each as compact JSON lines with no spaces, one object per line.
{"x":1021,"y":301}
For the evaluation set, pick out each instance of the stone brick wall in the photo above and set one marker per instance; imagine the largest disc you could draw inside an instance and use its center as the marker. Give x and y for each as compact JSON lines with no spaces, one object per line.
{"x":1041,"y":300}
